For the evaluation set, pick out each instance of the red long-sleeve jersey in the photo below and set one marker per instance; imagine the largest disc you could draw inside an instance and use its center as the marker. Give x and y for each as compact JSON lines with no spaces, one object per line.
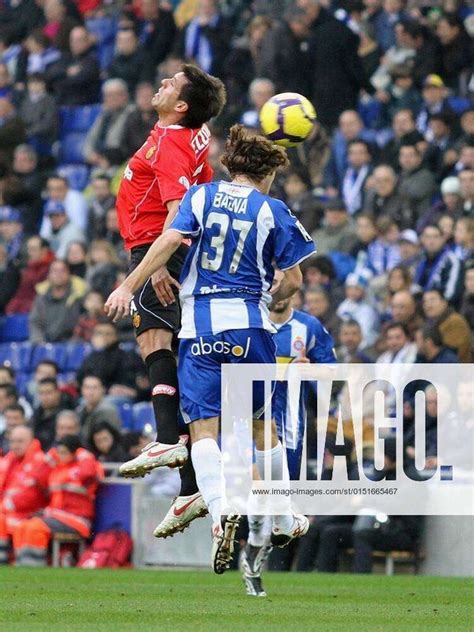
{"x":171,"y":160}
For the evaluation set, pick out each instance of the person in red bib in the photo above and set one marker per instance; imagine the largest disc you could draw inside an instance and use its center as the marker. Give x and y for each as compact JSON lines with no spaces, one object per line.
{"x":23,"y":484}
{"x":173,"y":158}
{"x":72,"y":485}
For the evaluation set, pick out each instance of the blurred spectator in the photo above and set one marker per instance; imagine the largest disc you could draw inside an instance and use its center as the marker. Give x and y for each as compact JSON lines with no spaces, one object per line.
{"x":67,"y":423}
{"x":58,"y":190}
{"x":335,"y":86}
{"x":424,"y":57}
{"x":106,"y":443}
{"x":134,"y":442}
{"x":112,"y":233}
{"x":350,"y":128}
{"x":6,"y":88}
{"x":76,"y":258}
{"x":67,"y":511}
{"x":369,"y":50}
{"x":450,"y":203}
{"x":103,"y":145}
{"x":12,"y":130}
{"x":441,"y":135}
{"x":456,"y":49}
{"x":453,"y":327}
{"x":44,"y":369}
{"x":260,"y":90}
{"x":317,"y":304}
{"x":117,"y":369}
{"x":20,"y":18}
{"x":94,"y":407}
{"x":100,"y":202}
{"x":466,"y":183}
{"x":23,"y":485}
{"x":75,"y":79}
{"x":59,"y":24}
{"x":350,"y":336}
{"x":300,"y":199}
{"x":403,"y":124}
{"x":404,"y":310}
{"x":337,"y":231}
{"x":312,"y":155}
{"x":8,"y":378}
{"x":157,"y":31}
{"x":63,"y":231}
{"x":409,"y":249}
{"x":359,"y":159}
{"x":39,"y":258}
{"x":130,"y":62}
{"x":400,"y":94}
{"x":439,"y":268}
{"x":92,"y":312}
{"x":11,"y":231}
{"x":14,"y":417}
{"x":319,"y":271}
{"x":206,"y":38}
{"x":56,"y":307}
{"x":366,"y":232}
{"x":285,"y":57}
{"x":356,"y":307}
{"x":435,"y":101}
{"x":383,"y":20}
{"x":382,"y":197}
{"x":8,"y":397}
{"x":467,"y":127}
{"x":36,"y":57}
{"x":103,"y":267}
{"x":39,"y":114}
{"x":140,"y":121}
{"x":467,"y":305}
{"x":464,"y":238}
{"x":416,"y":185}
{"x":27,"y":196}
{"x":431,"y":348}
{"x":399,"y":348}
{"x":51,"y":402}
{"x":9,"y":53}
{"x":383,"y":253}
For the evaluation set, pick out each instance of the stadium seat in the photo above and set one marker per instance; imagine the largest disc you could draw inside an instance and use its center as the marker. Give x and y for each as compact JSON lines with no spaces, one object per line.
{"x":77,"y":176}
{"x":105,"y":55}
{"x":370,"y":113}
{"x":459,"y":104}
{"x":22,"y":380}
{"x":103,"y":29}
{"x":14,"y":328}
{"x":72,"y":148}
{"x":75,"y":354}
{"x":55,"y":352}
{"x":142,"y":415}
{"x":77,"y":118}
{"x":125,"y":412}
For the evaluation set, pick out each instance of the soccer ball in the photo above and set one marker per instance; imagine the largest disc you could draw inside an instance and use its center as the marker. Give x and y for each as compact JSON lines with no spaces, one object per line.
{"x":287,"y":118}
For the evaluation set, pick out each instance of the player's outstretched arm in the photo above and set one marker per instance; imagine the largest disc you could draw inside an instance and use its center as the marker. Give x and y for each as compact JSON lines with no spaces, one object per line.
{"x":118,"y":303}
{"x":291,"y":281}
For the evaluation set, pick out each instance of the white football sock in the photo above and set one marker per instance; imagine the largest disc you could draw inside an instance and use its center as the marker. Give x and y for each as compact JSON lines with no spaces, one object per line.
{"x":259,"y":530}
{"x":207,"y":461}
{"x":279,"y":472}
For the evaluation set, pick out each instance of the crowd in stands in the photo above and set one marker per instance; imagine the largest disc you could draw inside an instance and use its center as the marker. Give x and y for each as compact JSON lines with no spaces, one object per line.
{"x":384,"y":184}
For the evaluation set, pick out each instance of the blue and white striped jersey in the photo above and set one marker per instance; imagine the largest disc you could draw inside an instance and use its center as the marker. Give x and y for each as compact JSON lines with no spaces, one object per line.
{"x":237,"y":233}
{"x":302,"y":334}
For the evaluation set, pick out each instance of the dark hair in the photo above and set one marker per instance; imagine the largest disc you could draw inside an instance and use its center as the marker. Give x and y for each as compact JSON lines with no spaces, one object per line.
{"x":453,"y":20}
{"x":71,"y":442}
{"x":251,"y":154}
{"x":406,"y":274}
{"x":96,"y":377}
{"x":204,"y":94}
{"x":50,"y":363}
{"x":351,"y":323}
{"x":398,"y":325}
{"x":8,"y":369}
{"x":429,"y":332}
{"x":435,"y":226}
{"x":40,"y":37}
{"x":65,"y":263}
{"x":16,"y":408}
{"x":445,"y":118}
{"x":58,"y":176}
{"x":412,"y":28}
{"x":10,"y":390}
{"x":410,"y":143}
{"x":49,"y":380}
{"x":359,"y":141}
{"x":435,"y":290}
{"x":102,"y":176}
{"x":36,"y":76}
{"x":321,"y":263}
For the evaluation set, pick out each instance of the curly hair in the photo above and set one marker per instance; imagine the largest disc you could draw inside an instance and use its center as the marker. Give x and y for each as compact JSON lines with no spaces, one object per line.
{"x":252,"y":155}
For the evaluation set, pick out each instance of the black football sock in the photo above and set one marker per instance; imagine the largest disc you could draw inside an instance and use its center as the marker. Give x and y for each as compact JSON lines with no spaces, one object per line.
{"x":188,"y":477}
{"x":162,"y":371}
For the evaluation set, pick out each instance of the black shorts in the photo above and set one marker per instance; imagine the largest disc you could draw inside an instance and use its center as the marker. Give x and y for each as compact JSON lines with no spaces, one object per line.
{"x":146,"y":310}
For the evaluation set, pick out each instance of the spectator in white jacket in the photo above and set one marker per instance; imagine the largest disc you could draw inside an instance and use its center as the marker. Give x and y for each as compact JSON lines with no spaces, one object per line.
{"x":63,"y":231}
{"x":74,"y":202}
{"x":356,"y":307}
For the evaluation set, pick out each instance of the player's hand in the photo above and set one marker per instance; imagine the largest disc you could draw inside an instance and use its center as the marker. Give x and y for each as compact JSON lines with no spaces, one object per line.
{"x":118,"y":303}
{"x":163,"y":283}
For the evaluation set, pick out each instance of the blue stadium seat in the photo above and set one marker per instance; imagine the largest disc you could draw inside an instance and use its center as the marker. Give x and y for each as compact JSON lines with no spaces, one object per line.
{"x":55,"y":352}
{"x":125,"y":412}
{"x":77,"y":118}
{"x":77,"y":176}
{"x":75,"y":354}
{"x":103,"y":28}
{"x":105,"y":55}
{"x":22,"y":380}
{"x":72,"y":148}
{"x":14,"y":328}
{"x":370,"y":113}
{"x":9,"y":355}
{"x":459,"y":104}
{"x":142,"y":415}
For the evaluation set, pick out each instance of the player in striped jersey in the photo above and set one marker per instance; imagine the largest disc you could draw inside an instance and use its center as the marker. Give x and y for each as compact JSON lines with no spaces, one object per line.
{"x":238,"y":231}
{"x":300,"y":338}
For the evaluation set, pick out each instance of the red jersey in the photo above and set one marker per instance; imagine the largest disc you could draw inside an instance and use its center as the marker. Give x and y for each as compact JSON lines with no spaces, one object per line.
{"x":171,"y":160}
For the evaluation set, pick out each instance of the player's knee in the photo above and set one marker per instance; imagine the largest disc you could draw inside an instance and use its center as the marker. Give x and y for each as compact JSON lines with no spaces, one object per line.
{"x":259,"y":434}
{"x":154,"y":340}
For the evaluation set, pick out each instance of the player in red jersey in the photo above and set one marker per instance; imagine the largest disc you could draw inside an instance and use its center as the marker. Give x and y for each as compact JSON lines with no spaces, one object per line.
{"x":173,"y":158}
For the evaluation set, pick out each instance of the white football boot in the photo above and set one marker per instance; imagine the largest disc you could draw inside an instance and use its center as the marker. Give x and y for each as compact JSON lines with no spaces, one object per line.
{"x":223,"y":536}
{"x":299,"y":528}
{"x":154,"y":455}
{"x":182,"y":512}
